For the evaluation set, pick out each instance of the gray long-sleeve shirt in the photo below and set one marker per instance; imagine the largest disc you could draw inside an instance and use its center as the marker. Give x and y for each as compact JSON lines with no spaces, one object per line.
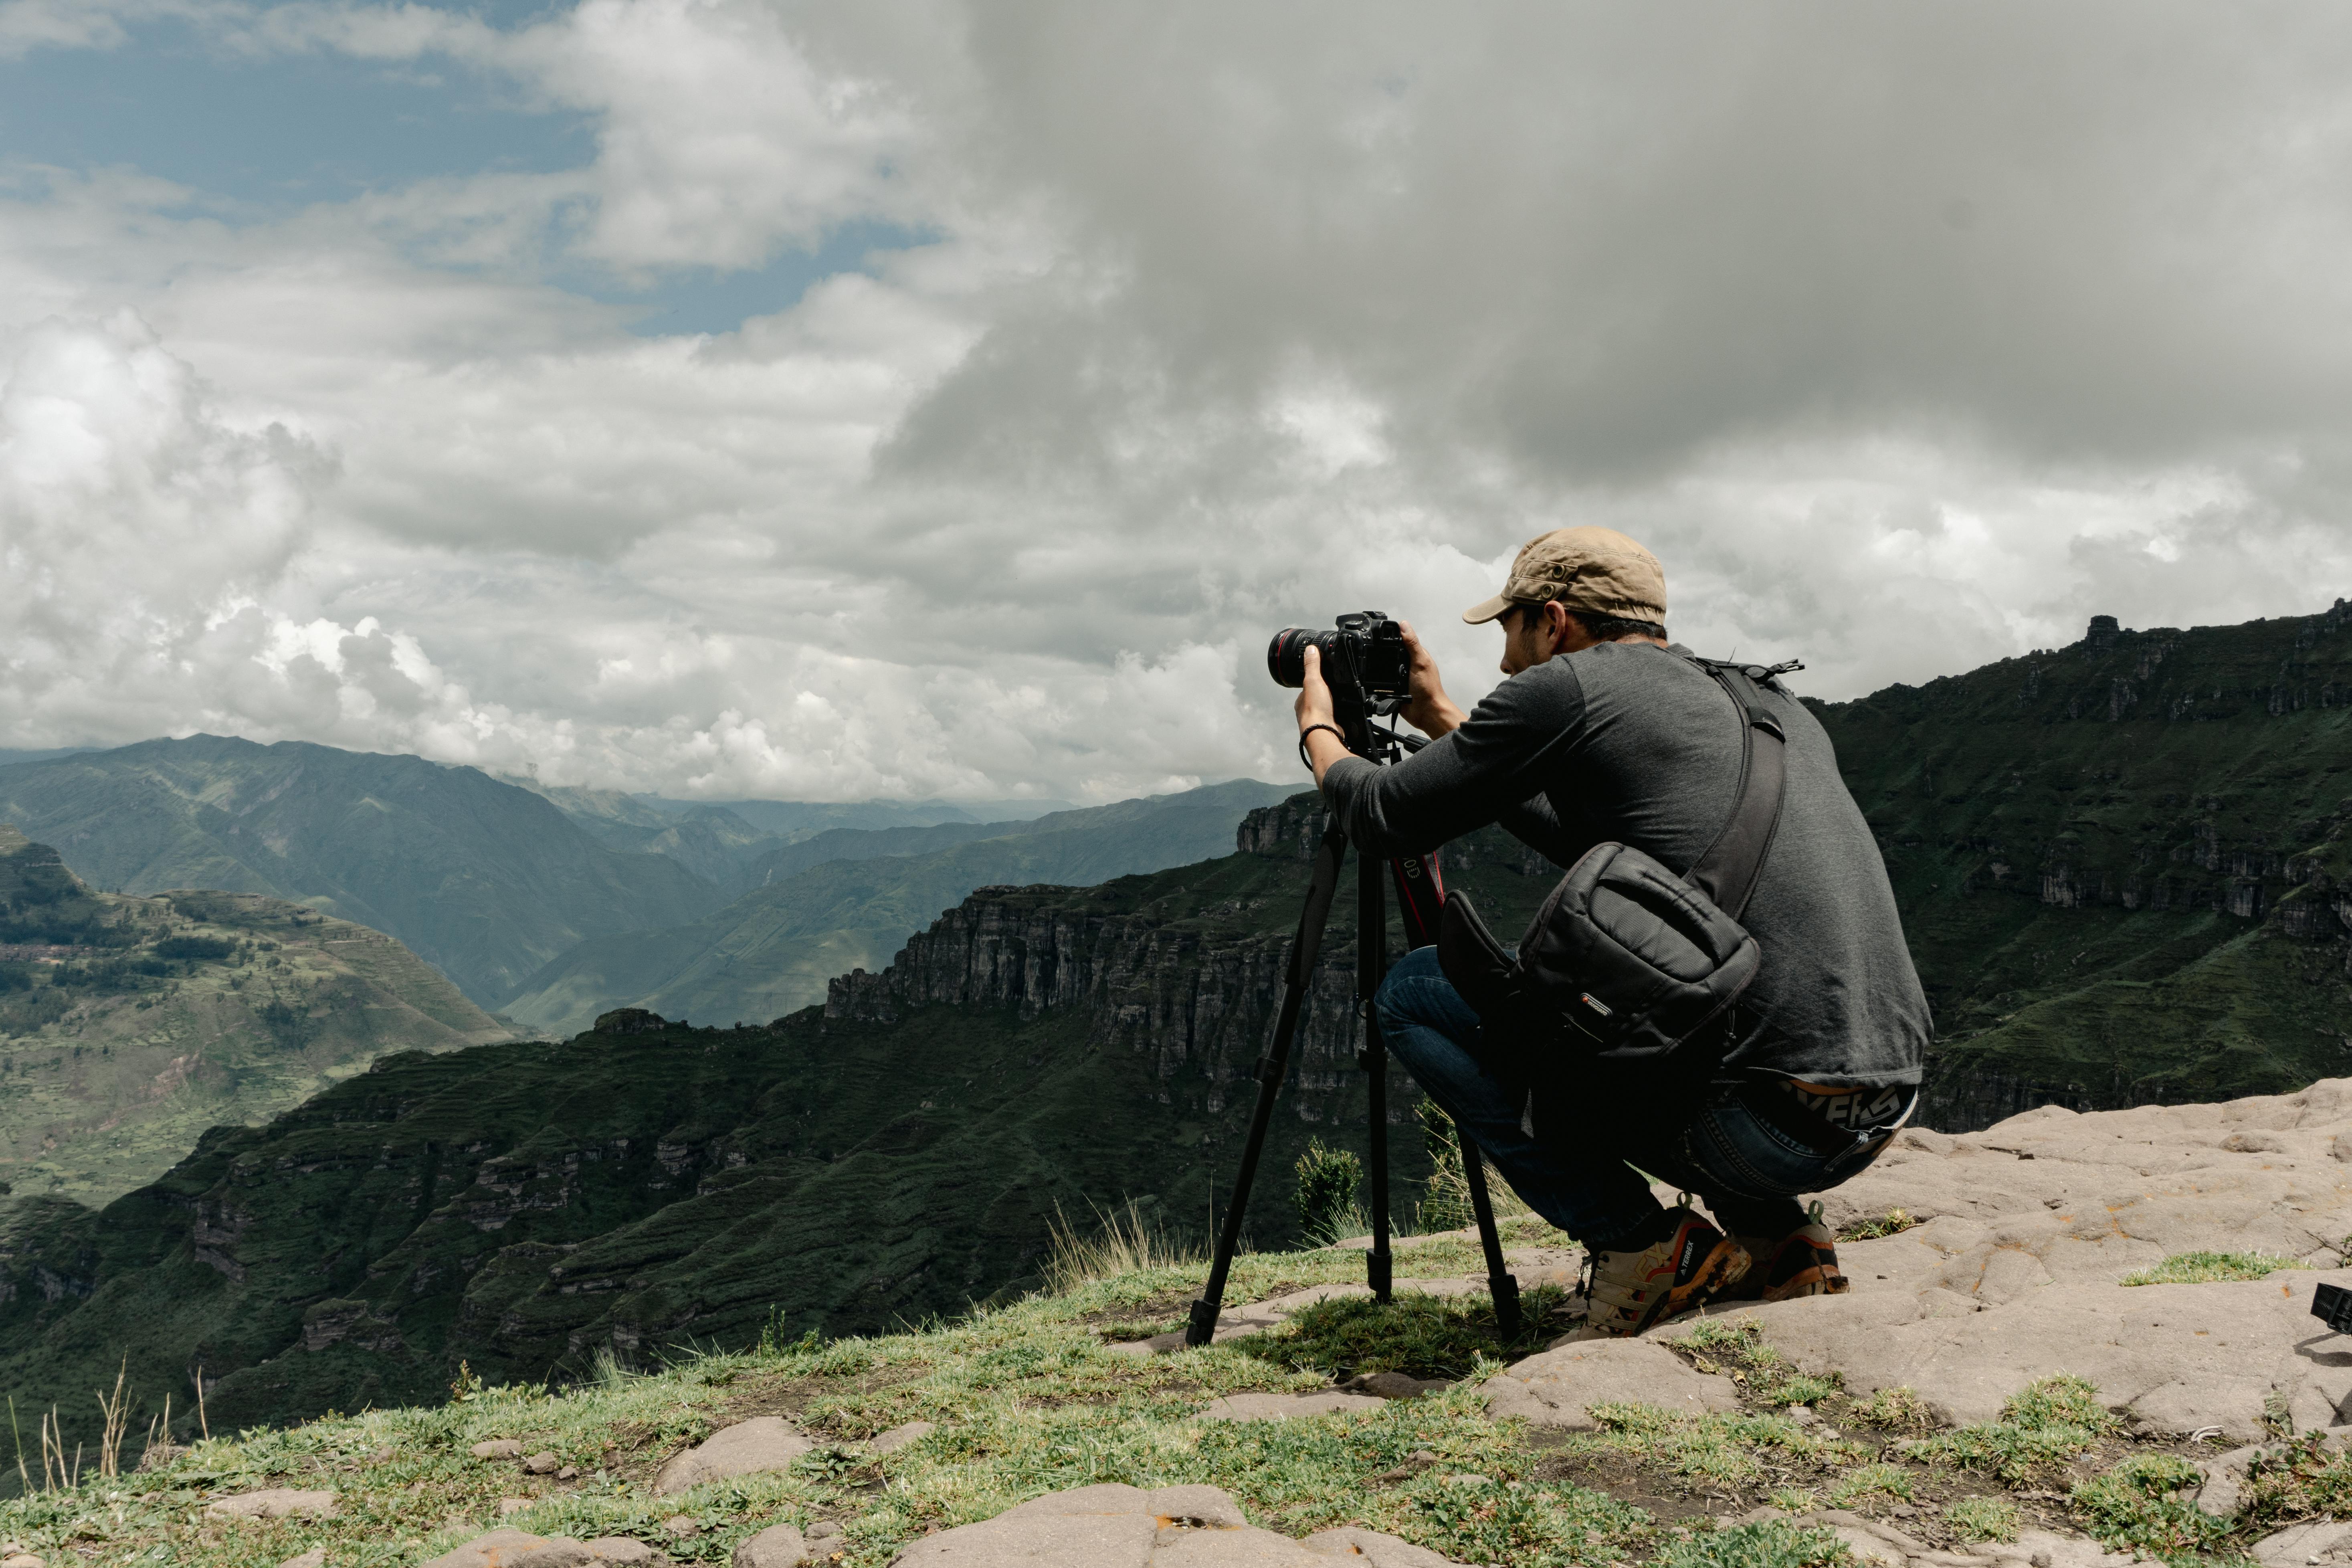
{"x":1632,"y":743}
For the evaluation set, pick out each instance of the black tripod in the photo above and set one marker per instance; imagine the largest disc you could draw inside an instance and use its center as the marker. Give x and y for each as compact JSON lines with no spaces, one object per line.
{"x":1420,"y":894}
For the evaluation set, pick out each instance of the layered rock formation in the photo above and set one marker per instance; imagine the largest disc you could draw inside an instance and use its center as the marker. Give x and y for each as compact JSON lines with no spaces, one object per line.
{"x":1192,"y":989}
{"x":2121,"y":864}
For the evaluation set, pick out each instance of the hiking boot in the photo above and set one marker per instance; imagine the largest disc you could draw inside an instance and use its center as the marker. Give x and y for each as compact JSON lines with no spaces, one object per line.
{"x":1801,"y":1263}
{"x":1627,"y":1292}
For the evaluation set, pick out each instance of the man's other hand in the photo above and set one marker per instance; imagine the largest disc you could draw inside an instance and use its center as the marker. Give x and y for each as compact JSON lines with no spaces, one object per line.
{"x":1427,"y":708}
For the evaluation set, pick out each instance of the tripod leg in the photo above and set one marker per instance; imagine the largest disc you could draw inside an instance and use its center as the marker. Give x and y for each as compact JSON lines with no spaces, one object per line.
{"x":1371,"y":966}
{"x":1501,"y":1283}
{"x":1378,"y":1263}
{"x":1270,"y":1068}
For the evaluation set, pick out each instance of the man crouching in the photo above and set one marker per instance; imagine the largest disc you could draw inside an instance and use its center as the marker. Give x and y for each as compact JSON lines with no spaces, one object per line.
{"x":1606,"y":733}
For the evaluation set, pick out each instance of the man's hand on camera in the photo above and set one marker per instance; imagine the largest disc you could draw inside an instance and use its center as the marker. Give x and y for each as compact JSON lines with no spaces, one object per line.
{"x":1427,"y":708}
{"x":1314,"y":707}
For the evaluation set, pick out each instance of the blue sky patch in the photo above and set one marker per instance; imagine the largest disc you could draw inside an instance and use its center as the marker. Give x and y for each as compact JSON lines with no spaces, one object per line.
{"x":263,"y":138}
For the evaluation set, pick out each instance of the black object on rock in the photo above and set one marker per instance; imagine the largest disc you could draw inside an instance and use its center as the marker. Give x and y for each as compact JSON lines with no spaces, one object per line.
{"x":2332,"y":1305}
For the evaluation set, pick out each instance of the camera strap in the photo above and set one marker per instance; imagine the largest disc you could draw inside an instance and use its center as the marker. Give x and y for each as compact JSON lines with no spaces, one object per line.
{"x":1728,"y":871}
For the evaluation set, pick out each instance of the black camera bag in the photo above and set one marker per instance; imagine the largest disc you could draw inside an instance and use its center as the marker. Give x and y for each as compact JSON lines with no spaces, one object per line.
{"x":1626,"y":963}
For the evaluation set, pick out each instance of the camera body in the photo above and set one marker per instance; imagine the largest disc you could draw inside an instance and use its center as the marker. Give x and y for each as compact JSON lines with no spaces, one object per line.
{"x":1364,"y":653}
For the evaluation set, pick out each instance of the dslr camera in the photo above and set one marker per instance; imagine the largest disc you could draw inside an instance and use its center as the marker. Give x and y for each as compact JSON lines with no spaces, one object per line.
{"x":1365,"y":661}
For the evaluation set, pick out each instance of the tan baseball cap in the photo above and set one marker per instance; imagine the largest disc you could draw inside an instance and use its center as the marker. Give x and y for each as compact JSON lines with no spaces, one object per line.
{"x":1595,"y":570}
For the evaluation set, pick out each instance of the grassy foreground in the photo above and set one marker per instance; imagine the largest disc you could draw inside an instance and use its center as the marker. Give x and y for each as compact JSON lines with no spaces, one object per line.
{"x":1035,"y":1396}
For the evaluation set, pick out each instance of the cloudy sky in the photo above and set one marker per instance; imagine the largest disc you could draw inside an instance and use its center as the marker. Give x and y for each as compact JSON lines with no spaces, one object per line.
{"x":901,"y":397}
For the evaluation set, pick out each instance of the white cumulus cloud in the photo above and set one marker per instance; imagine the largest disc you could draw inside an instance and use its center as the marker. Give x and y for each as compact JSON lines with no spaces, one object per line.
{"x":1908,"y":337}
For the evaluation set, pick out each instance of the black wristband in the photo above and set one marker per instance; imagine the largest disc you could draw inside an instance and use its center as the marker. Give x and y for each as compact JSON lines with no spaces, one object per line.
{"x":1306,"y":762}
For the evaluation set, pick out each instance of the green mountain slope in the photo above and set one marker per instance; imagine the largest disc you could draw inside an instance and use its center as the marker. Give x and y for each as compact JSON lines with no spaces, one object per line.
{"x":773,"y":950}
{"x":129,"y":1025}
{"x":730,"y":843}
{"x":2121,"y":864}
{"x":522,"y":1206}
{"x":483,"y":880}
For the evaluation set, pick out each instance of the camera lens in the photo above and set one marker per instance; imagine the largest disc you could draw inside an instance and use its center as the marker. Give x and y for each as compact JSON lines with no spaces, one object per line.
{"x":1286,"y":655}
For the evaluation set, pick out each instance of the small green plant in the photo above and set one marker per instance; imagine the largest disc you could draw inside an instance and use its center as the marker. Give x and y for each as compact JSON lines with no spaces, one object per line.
{"x":1769,"y":1377}
{"x":1326,"y":1194}
{"x":2137,"y":1506}
{"x":2210,"y":1268}
{"x":1772,"y":1543}
{"x":1897,"y":1409}
{"x":2060,"y":1400}
{"x":1873,"y":1481}
{"x":1984,"y":1519}
{"x":1894,"y":1222}
{"x":2043,"y":1426}
{"x":2304,"y":1479}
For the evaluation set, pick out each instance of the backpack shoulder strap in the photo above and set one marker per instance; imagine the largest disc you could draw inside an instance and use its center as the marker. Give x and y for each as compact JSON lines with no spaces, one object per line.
{"x":1727,"y":873}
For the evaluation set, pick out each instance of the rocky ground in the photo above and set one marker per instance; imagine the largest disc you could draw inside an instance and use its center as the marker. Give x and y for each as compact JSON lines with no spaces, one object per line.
{"x":2072,"y":1341}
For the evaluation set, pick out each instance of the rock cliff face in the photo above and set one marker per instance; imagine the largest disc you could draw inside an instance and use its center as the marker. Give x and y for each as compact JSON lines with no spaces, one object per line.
{"x":2122,"y":864}
{"x":1194,"y":995}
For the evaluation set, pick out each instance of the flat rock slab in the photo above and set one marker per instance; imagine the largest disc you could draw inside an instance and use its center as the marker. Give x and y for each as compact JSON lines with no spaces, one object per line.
{"x":563,"y":1551}
{"x":277,"y":1502}
{"x":499,"y":1548}
{"x":1126,"y":1527}
{"x":2173,"y":1358}
{"x":899,"y":1437}
{"x":2026,"y":1230}
{"x":750,"y":1448}
{"x":1281,"y":1407}
{"x":778,"y":1546}
{"x":1559,"y":1387}
{"x":2299,"y":1544}
{"x":622,"y":1551}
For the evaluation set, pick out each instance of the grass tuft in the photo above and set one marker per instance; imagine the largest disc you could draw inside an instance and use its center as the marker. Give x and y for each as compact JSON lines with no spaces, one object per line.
{"x":2210,"y":1268}
{"x":1772,"y":1543}
{"x":1984,"y":1519}
{"x":1738,"y":1350}
{"x":2137,"y":1506}
{"x":1417,"y":1334}
{"x":1894,"y":1222}
{"x":2047,"y":1423}
{"x":1897,"y":1409}
{"x":1121,"y":1243}
{"x":1861,"y":1485}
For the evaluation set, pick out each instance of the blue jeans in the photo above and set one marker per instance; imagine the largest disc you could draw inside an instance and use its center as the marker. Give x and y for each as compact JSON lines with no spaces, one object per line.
{"x":1572,"y":1168}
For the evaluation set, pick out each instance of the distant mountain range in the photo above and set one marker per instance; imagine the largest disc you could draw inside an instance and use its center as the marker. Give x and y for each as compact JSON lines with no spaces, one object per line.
{"x":722,"y":841}
{"x":484,"y":881}
{"x":848,"y":899}
{"x":128,"y":1026}
{"x":493,"y":880}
